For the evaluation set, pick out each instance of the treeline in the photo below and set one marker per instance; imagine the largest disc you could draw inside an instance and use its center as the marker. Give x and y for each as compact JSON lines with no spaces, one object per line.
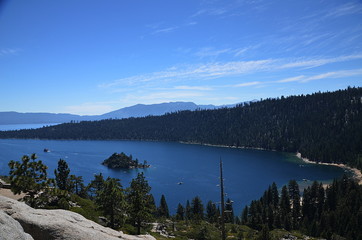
{"x":324,"y":127}
{"x":330,"y":213}
{"x":333,"y":212}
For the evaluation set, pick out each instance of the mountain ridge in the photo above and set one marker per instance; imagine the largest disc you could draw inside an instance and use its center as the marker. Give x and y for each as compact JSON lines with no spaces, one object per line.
{"x":138,"y":110}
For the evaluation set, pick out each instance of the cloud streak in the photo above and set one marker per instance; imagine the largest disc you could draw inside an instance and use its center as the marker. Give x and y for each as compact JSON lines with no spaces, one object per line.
{"x":334,"y":74}
{"x":216,"y":70}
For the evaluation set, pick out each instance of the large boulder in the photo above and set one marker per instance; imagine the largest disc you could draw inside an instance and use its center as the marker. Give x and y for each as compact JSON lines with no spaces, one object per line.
{"x":11,"y":229}
{"x":44,"y":224}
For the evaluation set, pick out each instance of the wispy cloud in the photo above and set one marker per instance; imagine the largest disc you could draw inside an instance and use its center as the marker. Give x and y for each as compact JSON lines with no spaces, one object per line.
{"x":345,"y":9}
{"x":200,"y":72}
{"x":165,"y":30}
{"x":163,"y":96}
{"x":200,"y":88}
{"x":211,"y":52}
{"x":9,"y":51}
{"x":226,"y":69}
{"x":247,"y":84}
{"x":334,"y":74}
{"x":291,"y":79}
{"x":310,"y":63}
{"x":210,"y":11}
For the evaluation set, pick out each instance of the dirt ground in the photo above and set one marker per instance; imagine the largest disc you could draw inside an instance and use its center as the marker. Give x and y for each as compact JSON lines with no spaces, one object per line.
{"x":8,"y":193}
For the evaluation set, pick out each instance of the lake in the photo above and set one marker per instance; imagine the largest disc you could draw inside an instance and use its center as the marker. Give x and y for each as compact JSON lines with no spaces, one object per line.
{"x":247,"y":172}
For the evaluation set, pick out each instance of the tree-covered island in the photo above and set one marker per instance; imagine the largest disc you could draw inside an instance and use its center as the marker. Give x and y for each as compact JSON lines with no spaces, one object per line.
{"x":121,"y":160}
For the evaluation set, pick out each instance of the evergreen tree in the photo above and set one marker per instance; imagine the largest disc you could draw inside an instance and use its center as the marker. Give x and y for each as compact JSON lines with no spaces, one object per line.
{"x":188,"y":210}
{"x":61,"y":175}
{"x":180,"y":213}
{"x":275,"y":195}
{"x":152,"y":204}
{"x":294,"y":196}
{"x":211,"y":212}
{"x":28,"y":176}
{"x":229,"y":212}
{"x":285,"y":209}
{"x":138,"y":195}
{"x":264,"y":235}
{"x":244,"y":216}
{"x":95,"y":185}
{"x":197,"y":209}
{"x":111,"y":200}
{"x":76,"y":185}
{"x":163,"y":208}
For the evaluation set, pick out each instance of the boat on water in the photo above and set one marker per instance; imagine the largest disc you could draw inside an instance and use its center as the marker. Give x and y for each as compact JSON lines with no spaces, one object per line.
{"x":46,"y":150}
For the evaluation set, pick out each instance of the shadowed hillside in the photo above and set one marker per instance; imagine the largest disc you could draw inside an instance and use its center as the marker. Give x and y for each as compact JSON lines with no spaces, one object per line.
{"x":324,"y":127}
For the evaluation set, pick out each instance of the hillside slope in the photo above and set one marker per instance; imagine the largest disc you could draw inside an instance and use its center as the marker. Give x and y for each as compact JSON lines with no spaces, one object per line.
{"x":323,"y":127}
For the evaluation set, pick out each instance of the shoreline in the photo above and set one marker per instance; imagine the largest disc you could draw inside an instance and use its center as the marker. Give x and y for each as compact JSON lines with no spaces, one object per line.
{"x":357,"y":174}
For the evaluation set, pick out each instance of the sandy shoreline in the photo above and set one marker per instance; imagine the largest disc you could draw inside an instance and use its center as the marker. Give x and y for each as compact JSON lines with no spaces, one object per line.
{"x":357,"y":174}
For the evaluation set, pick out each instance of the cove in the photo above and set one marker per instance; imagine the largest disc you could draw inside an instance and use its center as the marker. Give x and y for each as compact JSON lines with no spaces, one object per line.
{"x":247,"y":172}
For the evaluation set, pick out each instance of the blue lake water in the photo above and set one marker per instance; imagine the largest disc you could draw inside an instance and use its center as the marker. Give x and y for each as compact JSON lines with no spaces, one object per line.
{"x":247,"y":172}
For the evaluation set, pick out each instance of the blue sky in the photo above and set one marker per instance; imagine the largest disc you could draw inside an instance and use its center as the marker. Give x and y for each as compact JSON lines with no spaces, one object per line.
{"x":92,"y":57}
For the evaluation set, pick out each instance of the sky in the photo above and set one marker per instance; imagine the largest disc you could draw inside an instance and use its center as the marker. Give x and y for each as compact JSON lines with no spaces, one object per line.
{"x":90,"y":57}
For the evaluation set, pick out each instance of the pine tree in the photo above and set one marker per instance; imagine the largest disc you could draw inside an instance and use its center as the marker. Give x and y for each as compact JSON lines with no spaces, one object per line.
{"x":95,"y":185}
{"x":285,"y":209}
{"x":211,"y":212}
{"x":264,"y":235}
{"x":229,"y":211}
{"x":28,"y":176}
{"x":197,"y":209}
{"x":244,"y":216}
{"x":163,"y":208}
{"x":188,"y":210}
{"x":180,"y":213}
{"x":274,"y":195}
{"x":294,"y":196}
{"x":61,"y":175}
{"x":76,"y":185}
{"x":138,"y":196}
{"x":111,"y":200}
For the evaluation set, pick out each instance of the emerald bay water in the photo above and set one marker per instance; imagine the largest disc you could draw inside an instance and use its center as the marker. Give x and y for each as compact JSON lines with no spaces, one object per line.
{"x":247,"y":172}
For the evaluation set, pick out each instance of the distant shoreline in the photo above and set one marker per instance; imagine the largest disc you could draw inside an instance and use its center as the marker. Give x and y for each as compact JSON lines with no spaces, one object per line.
{"x":357,"y":174}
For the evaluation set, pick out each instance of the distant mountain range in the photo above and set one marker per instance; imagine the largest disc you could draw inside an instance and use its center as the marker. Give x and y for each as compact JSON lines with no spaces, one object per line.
{"x":139,"y":110}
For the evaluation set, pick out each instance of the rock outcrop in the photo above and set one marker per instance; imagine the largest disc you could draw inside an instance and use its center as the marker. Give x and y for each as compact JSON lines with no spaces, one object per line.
{"x":44,"y":224}
{"x":11,"y":229}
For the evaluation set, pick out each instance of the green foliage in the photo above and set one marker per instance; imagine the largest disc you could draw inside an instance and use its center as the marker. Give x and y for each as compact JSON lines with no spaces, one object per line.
{"x":95,"y":185}
{"x":229,"y":211}
{"x":324,"y":127}
{"x":334,"y":212}
{"x":61,"y":175}
{"x":111,"y":200}
{"x":28,"y":176}
{"x":76,"y":186}
{"x":197,"y":209}
{"x":212,"y":213}
{"x":121,"y":160}
{"x":87,"y":208}
{"x":162,"y":210}
{"x":139,"y":200}
{"x":180,"y":213}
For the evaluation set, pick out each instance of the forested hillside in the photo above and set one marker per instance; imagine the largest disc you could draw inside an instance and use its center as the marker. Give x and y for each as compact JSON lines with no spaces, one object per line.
{"x":324,"y":127}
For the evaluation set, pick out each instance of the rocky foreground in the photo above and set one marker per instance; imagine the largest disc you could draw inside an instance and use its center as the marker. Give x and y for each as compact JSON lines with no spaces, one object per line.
{"x":19,"y":221}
